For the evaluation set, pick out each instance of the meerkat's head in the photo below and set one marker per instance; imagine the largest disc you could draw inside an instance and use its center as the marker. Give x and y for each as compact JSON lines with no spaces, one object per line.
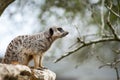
{"x":57,"y":32}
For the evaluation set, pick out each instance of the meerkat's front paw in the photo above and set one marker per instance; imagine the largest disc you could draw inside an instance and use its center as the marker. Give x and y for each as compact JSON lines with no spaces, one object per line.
{"x":41,"y":68}
{"x":32,"y":67}
{"x":45,"y":68}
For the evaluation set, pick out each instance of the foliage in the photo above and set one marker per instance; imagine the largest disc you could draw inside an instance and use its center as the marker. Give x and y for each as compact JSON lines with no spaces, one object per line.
{"x":104,"y":13}
{"x":73,"y":8}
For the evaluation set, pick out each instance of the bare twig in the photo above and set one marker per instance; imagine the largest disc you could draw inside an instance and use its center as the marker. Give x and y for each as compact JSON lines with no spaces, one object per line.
{"x":78,"y":41}
{"x":113,"y":65}
{"x":117,"y":62}
{"x":73,"y":44}
{"x":108,"y":18}
{"x":85,"y":45}
{"x":107,"y":64}
{"x":91,"y":8}
{"x":109,"y":24}
{"x":118,"y":2}
{"x":113,"y":11}
{"x":79,"y":38}
{"x":102,"y":17}
{"x":113,"y":31}
{"x":117,"y":73}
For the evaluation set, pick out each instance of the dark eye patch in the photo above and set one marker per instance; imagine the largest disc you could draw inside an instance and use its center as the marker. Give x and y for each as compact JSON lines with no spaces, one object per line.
{"x":60,"y":29}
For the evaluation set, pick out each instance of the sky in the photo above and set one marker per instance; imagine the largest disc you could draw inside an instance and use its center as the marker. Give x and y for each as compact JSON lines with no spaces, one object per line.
{"x":18,"y":24}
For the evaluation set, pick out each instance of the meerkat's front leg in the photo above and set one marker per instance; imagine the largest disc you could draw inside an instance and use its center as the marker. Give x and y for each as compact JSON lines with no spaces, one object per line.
{"x":41,"y":62}
{"x":36,"y":61}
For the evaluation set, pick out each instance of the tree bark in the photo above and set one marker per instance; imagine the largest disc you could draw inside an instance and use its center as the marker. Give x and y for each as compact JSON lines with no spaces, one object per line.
{"x":4,"y":4}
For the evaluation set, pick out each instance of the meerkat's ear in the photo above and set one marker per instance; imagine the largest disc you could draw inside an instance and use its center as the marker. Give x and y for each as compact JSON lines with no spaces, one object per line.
{"x":51,"y":31}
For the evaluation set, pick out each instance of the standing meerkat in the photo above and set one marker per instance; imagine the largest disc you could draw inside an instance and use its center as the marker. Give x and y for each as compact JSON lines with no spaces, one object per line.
{"x":23,"y":49}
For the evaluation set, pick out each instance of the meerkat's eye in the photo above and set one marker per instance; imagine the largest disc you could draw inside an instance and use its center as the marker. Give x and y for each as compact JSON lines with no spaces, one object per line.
{"x":60,"y":29}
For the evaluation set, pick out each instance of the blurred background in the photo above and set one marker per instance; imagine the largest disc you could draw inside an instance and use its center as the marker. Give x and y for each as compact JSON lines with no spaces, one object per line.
{"x":81,"y":18}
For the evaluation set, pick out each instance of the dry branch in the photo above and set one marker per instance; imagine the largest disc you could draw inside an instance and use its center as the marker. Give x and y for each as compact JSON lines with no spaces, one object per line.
{"x":114,"y":66}
{"x":87,"y":44}
{"x":112,"y":29}
{"x":113,"y":11}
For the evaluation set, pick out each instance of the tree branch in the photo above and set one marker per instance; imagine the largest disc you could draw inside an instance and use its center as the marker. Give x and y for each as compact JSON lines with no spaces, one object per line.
{"x":113,"y":31}
{"x":4,"y":4}
{"x":115,"y":38}
{"x":117,"y":73}
{"x":85,"y":45}
{"x":102,"y":17}
{"x":113,"y":11}
{"x":114,"y":66}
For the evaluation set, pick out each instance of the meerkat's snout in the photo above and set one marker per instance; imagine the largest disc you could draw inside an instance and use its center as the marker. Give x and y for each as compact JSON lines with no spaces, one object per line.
{"x":57,"y":32}
{"x":65,"y":33}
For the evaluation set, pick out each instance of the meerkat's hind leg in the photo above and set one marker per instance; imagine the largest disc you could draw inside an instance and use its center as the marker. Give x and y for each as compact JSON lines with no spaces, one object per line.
{"x":30,"y":57}
{"x":15,"y":62}
{"x":25,"y":59}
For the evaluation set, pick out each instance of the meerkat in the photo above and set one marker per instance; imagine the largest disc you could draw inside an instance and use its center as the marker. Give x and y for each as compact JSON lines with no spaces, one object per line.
{"x":22,"y":49}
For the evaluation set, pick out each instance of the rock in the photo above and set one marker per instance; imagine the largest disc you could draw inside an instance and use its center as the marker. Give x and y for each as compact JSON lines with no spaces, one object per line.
{"x":22,"y":72}
{"x":44,"y":74}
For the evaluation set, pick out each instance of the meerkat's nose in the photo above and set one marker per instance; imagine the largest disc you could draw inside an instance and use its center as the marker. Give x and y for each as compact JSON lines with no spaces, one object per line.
{"x":64,"y":34}
{"x":67,"y":33}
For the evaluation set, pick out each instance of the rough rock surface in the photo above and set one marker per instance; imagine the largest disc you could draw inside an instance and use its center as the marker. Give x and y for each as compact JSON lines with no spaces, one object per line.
{"x":21,"y":72}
